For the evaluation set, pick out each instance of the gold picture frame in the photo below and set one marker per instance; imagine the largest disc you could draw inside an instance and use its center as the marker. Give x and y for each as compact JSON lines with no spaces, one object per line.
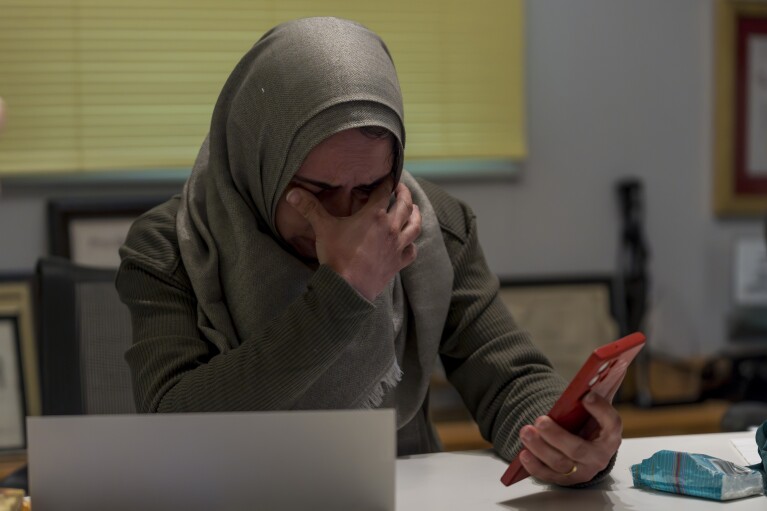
{"x":89,"y":231}
{"x":16,"y":302}
{"x":567,"y":318}
{"x":740,"y":171}
{"x":12,"y":401}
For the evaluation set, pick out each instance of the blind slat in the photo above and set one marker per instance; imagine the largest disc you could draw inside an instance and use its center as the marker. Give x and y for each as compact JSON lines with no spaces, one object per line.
{"x":122,"y":84}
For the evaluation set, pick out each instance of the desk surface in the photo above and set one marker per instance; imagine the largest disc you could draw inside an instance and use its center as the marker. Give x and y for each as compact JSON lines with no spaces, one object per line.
{"x":470,"y":480}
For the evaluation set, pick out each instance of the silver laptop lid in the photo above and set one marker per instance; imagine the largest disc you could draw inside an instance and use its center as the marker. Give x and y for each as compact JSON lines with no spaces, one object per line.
{"x":231,"y":461}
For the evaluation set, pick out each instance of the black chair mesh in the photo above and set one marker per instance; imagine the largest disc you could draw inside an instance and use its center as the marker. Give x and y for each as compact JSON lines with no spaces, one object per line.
{"x":104,"y":334}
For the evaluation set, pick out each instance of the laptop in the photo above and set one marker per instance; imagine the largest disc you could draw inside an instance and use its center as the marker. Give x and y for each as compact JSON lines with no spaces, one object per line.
{"x":338,"y":460}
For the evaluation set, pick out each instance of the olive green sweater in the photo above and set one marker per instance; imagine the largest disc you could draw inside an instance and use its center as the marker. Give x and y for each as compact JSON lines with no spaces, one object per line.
{"x":503,"y":379}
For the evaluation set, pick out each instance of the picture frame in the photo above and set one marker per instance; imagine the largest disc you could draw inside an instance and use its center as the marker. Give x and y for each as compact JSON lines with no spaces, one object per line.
{"x":749,"y":271}
{"x":89,"y":231}
{"x":16,"y":303}
{"x":740,"y":122}
{"x":12,"y":395}
{"x":584,"y":308}
{"x":567,"y":317}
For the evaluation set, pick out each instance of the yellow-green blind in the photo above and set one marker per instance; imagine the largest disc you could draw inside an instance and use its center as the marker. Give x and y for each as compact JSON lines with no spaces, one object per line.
{"x":131,"y":84}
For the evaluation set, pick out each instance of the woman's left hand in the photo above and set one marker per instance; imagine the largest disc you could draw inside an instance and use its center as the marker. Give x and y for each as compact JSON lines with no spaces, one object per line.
{"x":554,"y":455}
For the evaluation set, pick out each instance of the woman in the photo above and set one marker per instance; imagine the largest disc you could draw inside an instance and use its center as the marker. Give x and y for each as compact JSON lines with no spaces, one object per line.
{"x":302,"y":268}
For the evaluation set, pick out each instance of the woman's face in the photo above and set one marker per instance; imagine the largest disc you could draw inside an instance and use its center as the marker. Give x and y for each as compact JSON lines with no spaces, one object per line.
{"x":341,"y":171}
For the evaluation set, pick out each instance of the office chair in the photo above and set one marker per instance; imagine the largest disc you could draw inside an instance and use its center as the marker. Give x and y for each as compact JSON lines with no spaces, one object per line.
{"x":84,"y":331}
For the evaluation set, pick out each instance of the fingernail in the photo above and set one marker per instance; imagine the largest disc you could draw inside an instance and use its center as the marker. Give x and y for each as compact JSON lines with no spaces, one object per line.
{"x":526,"y":435}
{"x":541,"y":422}
{"x":292,"y":197}
{"x":525,"y":456}
{"x":590,"y":398}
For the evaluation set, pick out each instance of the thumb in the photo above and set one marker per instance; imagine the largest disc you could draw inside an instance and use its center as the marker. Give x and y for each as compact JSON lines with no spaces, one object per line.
{"x":308,"y":206}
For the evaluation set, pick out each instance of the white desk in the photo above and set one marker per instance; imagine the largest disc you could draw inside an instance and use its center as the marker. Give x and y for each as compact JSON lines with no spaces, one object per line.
{"x":471,"y":481}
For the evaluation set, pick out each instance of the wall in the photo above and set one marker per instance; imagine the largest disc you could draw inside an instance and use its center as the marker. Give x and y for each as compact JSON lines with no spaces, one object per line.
{"x":620,"y":88}
{"x":615,"y":88}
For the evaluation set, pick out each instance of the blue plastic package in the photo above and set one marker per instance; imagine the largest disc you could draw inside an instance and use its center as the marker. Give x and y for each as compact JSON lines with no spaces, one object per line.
{"x":698,"y":475}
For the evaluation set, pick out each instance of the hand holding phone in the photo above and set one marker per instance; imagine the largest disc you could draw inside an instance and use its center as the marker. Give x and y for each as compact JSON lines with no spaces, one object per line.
{"x":602,"y":373}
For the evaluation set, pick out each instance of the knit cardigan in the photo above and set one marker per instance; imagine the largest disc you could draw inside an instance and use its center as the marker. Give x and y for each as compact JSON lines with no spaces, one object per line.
{"x":503,"y":379}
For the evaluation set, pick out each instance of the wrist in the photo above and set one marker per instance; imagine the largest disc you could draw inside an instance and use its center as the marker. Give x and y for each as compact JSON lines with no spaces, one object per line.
{"x":341,"y":299}
{"x":360,"y":284}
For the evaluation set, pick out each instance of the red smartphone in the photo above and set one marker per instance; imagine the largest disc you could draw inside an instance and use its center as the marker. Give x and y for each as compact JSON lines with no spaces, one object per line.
{"x":602,"y":373}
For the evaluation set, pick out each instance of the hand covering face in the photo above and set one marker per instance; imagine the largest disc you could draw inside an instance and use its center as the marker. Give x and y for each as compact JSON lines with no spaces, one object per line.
{"x":302,"y":82}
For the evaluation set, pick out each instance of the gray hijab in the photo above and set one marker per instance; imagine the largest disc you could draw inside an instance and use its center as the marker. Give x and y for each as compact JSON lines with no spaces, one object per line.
{"x":302,"y":82}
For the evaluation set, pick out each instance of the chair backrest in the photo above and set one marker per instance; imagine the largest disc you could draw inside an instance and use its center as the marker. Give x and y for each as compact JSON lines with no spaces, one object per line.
{"x":84,"y":331}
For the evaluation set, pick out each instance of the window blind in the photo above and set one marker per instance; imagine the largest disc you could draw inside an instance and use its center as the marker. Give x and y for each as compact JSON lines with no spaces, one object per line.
{"x":131,"y":84}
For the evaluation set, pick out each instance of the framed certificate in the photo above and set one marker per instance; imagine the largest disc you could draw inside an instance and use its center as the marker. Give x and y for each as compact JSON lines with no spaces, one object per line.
{"x":740,"y":126}
{"x":19,"y":382}
{"x":12,"y":399}
{"x":567,"y":317}
{"x":90,"y":231}
{"x":750,"y":272}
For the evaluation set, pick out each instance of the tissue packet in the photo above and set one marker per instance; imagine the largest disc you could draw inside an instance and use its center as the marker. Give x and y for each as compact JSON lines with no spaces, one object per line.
{"x":698,"y":475}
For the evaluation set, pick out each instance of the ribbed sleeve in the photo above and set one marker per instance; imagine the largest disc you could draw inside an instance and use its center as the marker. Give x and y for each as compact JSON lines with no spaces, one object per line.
{"x":504,"y":380}
{"x":176,"y":370}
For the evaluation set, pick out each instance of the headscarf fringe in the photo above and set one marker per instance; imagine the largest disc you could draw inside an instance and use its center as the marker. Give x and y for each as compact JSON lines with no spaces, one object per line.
{"x":389,"y":381}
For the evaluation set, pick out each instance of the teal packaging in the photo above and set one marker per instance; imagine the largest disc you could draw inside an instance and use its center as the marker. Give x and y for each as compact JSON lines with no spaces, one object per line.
{"x":698,"y":475}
